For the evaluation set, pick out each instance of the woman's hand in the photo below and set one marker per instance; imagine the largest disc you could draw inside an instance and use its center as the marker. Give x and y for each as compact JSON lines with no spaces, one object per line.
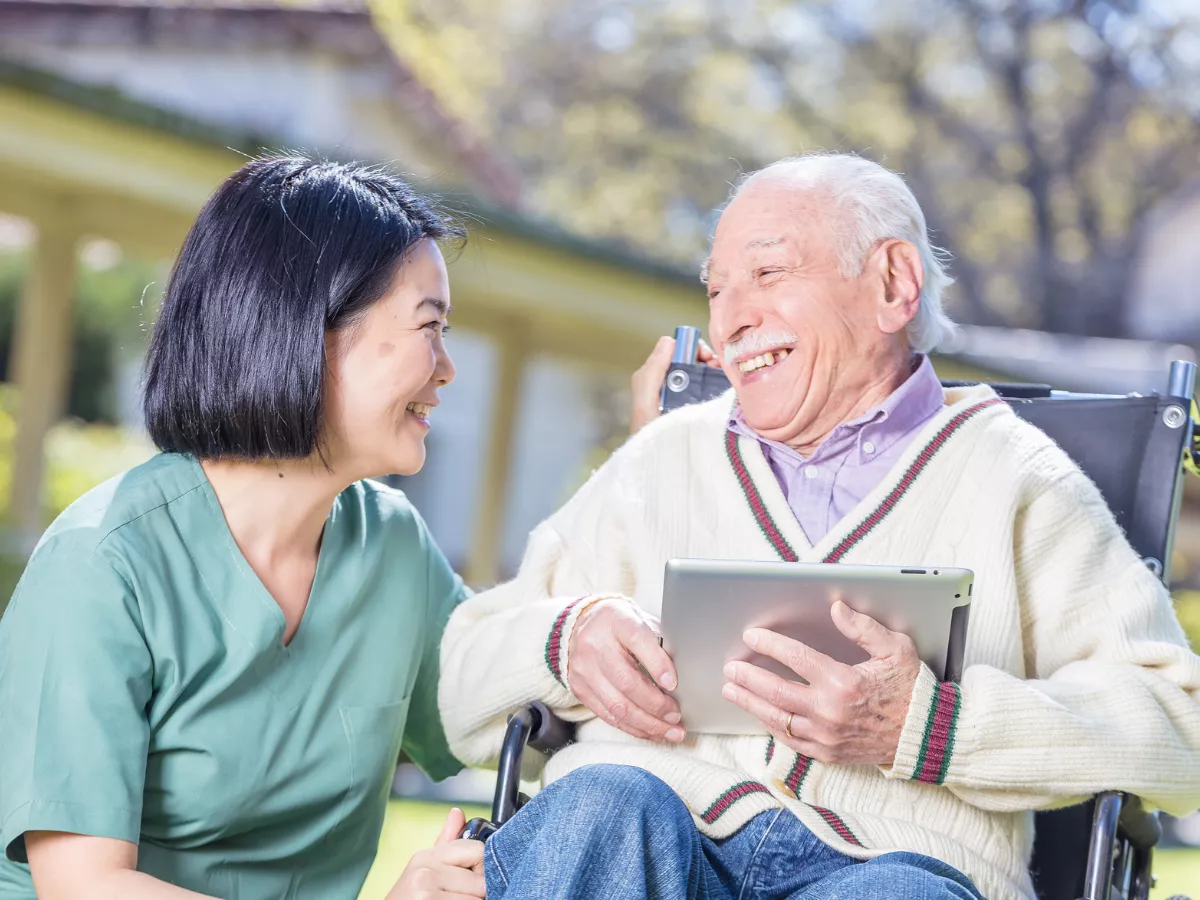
{"x":452,"y":869}
{"x":646,"y":384}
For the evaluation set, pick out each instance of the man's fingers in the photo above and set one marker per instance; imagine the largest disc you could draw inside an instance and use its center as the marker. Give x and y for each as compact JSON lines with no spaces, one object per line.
{"x":623,"y":673}
{"x":707,"y":355}
{"x":456,"y":821}
{"x":779,"y":692}
{"x":773,"y":718}
{"x":868,"y":633}
{"x":642,"y":643}
{"x":809,"y":748}
{"x":620,"y":711}
{"x":809,"y":664}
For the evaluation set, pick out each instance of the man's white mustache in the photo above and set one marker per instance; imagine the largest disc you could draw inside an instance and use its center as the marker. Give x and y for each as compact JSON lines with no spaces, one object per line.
{"x":757,"y":342}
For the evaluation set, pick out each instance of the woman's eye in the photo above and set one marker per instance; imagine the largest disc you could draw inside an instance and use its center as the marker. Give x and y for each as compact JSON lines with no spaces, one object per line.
{"x":437,"y":327}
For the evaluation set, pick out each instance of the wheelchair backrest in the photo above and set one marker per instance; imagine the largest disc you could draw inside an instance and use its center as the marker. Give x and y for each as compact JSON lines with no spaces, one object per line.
{"x":1132,"y":447}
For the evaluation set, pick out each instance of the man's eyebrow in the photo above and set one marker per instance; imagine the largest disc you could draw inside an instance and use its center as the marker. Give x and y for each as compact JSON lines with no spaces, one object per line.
{"x":442,"y":306}
{"x":762,"y":243}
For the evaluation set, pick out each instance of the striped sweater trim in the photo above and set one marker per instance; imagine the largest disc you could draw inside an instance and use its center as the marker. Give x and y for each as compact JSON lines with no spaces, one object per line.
{"x":929,"y":451}
{"x":770,"y":750}
{"x":769,"y":529}
{"x":554,"y":643}
{"x":834,"y":821}
{"x":775,"y":537}
{"x":799,"y":771}
{"x":722,"y":804}
{"x":937,"y":745}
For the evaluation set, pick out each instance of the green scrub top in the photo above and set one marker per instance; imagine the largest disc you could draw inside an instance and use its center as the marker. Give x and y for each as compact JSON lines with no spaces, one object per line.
{"x":146,"y":694}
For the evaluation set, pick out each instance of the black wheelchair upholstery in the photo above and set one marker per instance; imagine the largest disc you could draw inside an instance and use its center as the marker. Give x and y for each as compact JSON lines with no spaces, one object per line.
{"x":1134,"y":448}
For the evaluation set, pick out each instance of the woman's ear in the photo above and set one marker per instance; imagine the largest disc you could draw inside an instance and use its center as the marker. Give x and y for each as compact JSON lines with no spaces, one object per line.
{"x":903,"y":277}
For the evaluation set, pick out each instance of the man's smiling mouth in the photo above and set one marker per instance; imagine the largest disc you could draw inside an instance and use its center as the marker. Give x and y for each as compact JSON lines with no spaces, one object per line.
{"x":762,"y":361}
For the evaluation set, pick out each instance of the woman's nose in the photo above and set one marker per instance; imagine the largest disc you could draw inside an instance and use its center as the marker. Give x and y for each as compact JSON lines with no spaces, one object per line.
{"x":443,"y":370}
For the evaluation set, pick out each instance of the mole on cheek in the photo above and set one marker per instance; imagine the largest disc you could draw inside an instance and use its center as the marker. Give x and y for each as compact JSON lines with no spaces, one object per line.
{"x":387,"y":348}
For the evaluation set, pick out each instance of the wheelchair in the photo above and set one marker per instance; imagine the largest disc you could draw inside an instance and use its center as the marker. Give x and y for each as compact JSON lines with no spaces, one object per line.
{"x":1137,"y":449}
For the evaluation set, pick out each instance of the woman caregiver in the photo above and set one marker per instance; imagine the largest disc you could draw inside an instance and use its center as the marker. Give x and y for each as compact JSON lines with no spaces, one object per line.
{"x":213,"y":661}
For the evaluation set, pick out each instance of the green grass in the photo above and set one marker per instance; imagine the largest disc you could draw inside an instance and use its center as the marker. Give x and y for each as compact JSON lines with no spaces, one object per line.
{"x":411,"y":826}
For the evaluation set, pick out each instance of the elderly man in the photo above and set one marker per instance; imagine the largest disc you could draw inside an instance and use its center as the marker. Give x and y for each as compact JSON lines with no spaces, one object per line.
{"x":873,"y":780}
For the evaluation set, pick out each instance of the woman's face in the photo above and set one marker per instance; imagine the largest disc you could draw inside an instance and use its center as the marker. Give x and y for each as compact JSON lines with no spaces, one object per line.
{"x":383,"y":373}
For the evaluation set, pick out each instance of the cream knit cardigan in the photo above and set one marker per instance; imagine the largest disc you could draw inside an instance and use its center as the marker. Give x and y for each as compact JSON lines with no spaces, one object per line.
{"x":1078,"y":676}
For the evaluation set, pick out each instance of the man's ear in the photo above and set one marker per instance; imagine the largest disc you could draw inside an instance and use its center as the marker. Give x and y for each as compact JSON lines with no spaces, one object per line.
{"x":903,"y":276}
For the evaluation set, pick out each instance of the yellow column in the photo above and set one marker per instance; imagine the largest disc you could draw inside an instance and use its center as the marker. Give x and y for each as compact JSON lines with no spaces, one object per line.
{"x":42,"y":364}
{"x":483,"y":560}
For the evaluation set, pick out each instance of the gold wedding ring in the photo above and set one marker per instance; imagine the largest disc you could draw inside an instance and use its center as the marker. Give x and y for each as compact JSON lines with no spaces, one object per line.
{"x":787,"y":729}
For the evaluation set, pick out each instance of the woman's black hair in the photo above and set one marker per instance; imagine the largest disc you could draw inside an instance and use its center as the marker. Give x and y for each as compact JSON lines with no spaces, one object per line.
{"x":287,"y":248}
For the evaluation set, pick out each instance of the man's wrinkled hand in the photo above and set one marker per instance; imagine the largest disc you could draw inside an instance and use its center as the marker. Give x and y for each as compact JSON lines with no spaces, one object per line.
{"x":617,"y":669}
{"x":845,"y":714}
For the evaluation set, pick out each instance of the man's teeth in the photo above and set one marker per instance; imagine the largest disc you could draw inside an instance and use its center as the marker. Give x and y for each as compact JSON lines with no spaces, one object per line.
{"x":767,"y":359}
{"x":420,"y":410}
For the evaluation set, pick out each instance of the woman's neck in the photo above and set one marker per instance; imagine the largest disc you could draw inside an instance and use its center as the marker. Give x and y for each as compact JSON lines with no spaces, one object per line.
{"x":276,"y":511}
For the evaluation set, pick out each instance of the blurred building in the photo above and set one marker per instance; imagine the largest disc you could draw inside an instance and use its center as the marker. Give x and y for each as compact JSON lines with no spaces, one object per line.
{"x":117,"y":120}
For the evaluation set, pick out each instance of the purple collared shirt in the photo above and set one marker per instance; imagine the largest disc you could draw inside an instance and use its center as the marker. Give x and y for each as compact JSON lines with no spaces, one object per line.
{"x":821,"y":489}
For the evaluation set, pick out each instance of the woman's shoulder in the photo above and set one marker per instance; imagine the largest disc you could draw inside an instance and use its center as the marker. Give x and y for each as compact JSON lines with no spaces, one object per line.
{"x":122,"y":500}
{"x":375,"y":506}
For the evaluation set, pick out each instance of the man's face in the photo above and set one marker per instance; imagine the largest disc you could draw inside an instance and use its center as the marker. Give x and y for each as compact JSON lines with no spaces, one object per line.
{"x":789,"y":328}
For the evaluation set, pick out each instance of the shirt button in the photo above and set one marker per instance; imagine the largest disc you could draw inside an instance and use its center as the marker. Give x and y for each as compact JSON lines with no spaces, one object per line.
{"x":811,"y":473}
{"x":868,"y":447}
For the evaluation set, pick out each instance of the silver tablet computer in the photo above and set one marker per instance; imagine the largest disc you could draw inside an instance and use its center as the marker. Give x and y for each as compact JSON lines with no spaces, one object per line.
{"x":708,"y":604}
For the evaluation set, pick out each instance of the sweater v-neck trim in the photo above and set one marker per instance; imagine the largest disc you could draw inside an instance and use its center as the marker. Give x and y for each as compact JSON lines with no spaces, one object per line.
{"x":779,"y":525}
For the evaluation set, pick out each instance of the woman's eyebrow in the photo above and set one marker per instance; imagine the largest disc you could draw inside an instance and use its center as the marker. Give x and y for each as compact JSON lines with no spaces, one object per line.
{"x":443,"y":307}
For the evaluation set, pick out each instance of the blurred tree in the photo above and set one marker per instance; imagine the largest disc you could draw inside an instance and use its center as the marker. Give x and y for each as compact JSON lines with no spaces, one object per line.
{"x":1038,"y":134}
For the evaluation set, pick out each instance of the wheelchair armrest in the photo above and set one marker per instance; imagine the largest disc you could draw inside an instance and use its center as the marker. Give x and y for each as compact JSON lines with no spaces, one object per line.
{"x":549,"y":733}
{"x":1138,"y":826}
{"x":535,"y":726}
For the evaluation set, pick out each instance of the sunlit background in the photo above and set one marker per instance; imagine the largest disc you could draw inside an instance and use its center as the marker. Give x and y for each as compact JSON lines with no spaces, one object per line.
{"x":1054,"y":145}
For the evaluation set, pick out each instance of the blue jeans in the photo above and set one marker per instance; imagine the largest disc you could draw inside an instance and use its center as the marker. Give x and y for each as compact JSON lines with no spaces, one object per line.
{"x":618,"y":832}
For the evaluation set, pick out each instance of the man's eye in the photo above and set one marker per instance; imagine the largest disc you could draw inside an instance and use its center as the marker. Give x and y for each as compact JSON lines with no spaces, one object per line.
{"x":766,"y":273}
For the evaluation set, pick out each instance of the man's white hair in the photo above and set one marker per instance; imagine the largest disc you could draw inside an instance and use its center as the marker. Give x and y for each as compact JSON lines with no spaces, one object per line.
{"x":869,"y":204}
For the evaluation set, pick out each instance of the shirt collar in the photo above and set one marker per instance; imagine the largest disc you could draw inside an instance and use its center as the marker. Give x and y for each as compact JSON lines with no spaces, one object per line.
{"x":917,"y":400}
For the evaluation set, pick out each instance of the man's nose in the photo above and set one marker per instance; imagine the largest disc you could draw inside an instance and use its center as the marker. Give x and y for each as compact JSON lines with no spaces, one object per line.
{"x":730,"y":317}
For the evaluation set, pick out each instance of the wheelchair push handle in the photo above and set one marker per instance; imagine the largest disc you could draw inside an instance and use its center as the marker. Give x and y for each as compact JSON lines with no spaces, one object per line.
{"x":534,"y":725}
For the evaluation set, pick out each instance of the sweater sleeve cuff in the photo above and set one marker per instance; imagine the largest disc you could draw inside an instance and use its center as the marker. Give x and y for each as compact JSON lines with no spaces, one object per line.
{"x":558,"y":643}
{"x":927,"y":739}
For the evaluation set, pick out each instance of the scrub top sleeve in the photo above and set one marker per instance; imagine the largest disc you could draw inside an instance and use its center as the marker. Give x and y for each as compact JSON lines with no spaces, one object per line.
{"x":424,"y":738}
{"x":75,"y":681}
